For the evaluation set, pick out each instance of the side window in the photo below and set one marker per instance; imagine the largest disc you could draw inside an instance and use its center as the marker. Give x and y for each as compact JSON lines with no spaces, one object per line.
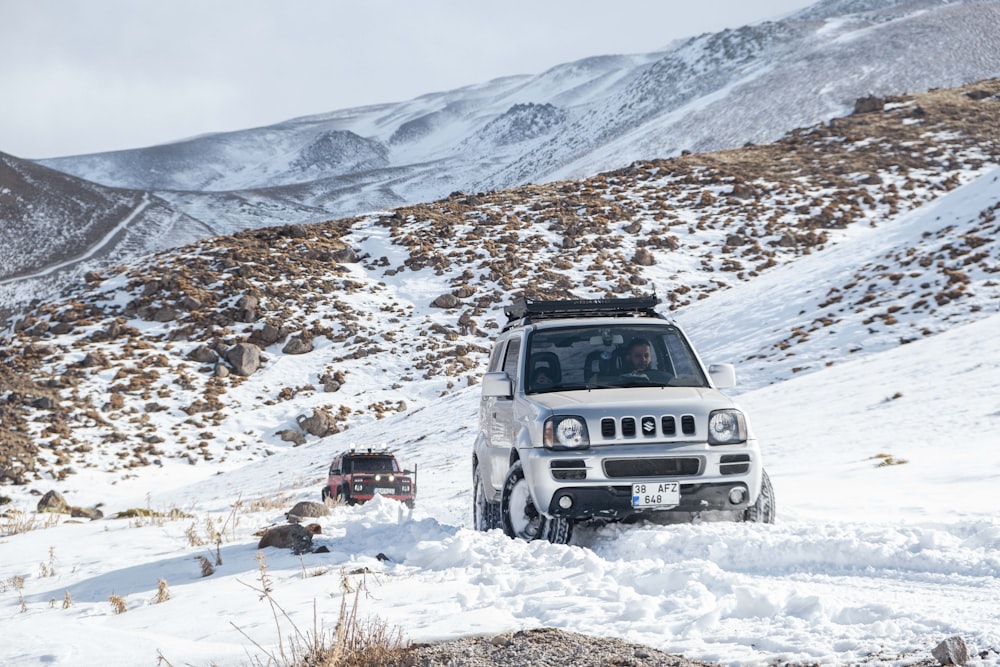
{"x":510,"y":362}
{"x":335,"y":467}
{"x":496,"y":356}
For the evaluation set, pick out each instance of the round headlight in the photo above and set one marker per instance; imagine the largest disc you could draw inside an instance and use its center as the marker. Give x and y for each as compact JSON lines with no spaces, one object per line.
{"x":566,"y":433}
{"x":726,"y":427}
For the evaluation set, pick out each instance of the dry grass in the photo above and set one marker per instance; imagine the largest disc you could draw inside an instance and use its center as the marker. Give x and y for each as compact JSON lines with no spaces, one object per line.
{"x":15,"y":521}
{"x":162,"y":591}
{"x":887,"y":460}
{"x":207,"y":569}
{"x":118,"y":604}
{"x":353,"y":642}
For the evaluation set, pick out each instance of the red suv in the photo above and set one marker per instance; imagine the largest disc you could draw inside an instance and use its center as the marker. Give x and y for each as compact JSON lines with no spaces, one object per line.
{"x":358,"y":476}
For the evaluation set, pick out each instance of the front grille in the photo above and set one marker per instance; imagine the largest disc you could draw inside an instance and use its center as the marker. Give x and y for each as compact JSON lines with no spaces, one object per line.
{"x":662,"y":467}
{"x":687,"y":424}
{"x":646,"y":426}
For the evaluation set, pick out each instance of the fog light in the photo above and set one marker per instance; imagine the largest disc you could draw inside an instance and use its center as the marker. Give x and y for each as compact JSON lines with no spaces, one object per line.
{"x":565,"y":502}
{"x":737,"y":495}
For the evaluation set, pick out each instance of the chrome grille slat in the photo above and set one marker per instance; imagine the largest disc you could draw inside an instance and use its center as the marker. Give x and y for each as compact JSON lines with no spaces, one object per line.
{"x":648,"y":426}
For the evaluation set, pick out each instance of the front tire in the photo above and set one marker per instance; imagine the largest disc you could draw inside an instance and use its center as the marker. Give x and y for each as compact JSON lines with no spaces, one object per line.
{"x":522,"y":519}
{"x":485,"y":513}
{"x":763,"y":510}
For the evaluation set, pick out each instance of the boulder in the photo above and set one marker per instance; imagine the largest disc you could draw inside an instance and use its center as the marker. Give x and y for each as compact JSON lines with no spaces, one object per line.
{"x":292,"y":536}
{"x":445,"y":301}
{"x":203,"y":354}
{"x":53,"y":502}
{"x":643,"y":257}
{"x":298,"y":345}
{"x":244,"y":358}
{"x":952,"y":651}
{"x":307,"y":508}
{"x":319,"y":424}
{"x":266,"y":334}
{"x":291,"y":435}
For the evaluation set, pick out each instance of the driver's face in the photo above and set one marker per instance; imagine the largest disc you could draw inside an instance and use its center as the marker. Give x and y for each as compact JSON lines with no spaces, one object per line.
{"x":640,"y":357}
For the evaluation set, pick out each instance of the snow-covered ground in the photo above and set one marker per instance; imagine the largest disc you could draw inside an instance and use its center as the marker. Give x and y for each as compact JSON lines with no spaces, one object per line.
{"x":885,"y":461}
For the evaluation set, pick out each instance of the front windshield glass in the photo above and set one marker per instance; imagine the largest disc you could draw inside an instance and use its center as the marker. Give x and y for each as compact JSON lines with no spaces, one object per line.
{"x":596,"y":357}
{"x":373,"y":464}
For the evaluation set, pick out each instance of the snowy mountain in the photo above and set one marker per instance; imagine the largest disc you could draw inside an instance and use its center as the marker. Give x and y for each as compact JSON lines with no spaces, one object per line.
{"x":848,"y":269}
{"x":711,"y":92}
{"x":54,"y":228}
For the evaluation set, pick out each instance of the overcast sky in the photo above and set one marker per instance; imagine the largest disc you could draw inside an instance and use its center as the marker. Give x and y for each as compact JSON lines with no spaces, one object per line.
{"x":83,"y":77}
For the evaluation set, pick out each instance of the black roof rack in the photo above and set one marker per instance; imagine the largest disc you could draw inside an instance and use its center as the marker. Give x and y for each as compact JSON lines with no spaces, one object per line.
{"x":530,"y":310}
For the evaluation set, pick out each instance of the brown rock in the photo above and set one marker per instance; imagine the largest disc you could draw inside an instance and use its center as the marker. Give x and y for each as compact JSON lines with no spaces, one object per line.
{"x":53,"y":501}
{"x":244,"y":358}
{"x":292,"y":536}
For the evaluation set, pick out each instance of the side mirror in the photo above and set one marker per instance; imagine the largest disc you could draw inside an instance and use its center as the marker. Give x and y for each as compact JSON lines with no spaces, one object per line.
{"x":498,"y":385}
{"x":723,"y":375}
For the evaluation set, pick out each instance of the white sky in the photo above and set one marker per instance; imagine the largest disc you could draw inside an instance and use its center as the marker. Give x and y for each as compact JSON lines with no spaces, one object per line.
{"x":82,"y":77}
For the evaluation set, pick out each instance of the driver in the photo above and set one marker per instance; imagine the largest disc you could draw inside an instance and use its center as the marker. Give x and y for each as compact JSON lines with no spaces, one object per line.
{"x":638,"y":357}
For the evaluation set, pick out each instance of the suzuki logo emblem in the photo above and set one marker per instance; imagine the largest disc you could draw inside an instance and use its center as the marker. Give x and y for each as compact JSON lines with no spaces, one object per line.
{"x":648,"y":426}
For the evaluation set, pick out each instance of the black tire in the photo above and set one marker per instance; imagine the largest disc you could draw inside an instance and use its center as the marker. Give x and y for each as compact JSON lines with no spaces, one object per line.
{"x":522,"y":519}
{"x":485,"y":513}
{"x":763,"y":510}
{"x":325,"y":493}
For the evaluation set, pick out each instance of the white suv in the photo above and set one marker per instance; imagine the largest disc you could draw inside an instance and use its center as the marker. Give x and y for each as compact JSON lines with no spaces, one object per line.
{"x":601,"y":409}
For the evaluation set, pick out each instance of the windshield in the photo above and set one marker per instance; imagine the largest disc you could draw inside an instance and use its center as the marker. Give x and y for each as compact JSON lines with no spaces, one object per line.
{"x":595,"y":357}
{"x":373,"y":464}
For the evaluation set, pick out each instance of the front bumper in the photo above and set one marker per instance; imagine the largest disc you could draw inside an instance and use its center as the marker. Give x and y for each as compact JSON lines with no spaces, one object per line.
{"x":597,"y":483}
{"x":615,"y":502}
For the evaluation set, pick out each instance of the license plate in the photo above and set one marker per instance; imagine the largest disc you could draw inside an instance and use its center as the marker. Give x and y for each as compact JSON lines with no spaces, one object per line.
{"x":385,"y":492}
{"x":656,"y":494}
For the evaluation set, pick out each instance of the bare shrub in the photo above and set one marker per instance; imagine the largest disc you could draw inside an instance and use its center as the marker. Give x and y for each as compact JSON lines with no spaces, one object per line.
{"x":162,"y":591}
{"x":118,"y":604}
{"x":207,"y":569}
{"x":351,"y":643}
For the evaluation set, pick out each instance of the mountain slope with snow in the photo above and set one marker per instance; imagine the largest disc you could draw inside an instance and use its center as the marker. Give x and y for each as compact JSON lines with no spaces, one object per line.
{"x":848,"y":270}
{"x":712,"y":92}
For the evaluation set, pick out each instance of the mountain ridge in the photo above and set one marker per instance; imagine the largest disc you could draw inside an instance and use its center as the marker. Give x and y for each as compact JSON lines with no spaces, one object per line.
{"x":714,"y":91}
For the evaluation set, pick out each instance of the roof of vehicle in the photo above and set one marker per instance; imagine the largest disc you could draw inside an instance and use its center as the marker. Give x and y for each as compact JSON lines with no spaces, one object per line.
{"x":524,"y":311}
{"x":367,"y":453}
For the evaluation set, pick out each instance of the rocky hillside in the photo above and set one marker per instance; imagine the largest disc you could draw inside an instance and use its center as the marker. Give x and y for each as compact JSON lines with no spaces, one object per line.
{"x":284,"y":331}
{"x":711,"y":92}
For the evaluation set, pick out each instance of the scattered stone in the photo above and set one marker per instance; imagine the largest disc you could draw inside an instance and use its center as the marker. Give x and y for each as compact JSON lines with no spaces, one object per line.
{"x":308,"y":508}
{"x":291,"y":435}
{"x":244,"y":358}
{"x":445,"y":301}
{"x":86,"y":512}
{"x":292,"y":536}
{"x":246,"y":308}
{"x":643,"y":257}
{"x":298,"y":345}
{"x":320,"y":424}
{"x":952,"y":651}
{"x":266,"y":334}
{"x":203,"y":354}
{"x":53,"y":501}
